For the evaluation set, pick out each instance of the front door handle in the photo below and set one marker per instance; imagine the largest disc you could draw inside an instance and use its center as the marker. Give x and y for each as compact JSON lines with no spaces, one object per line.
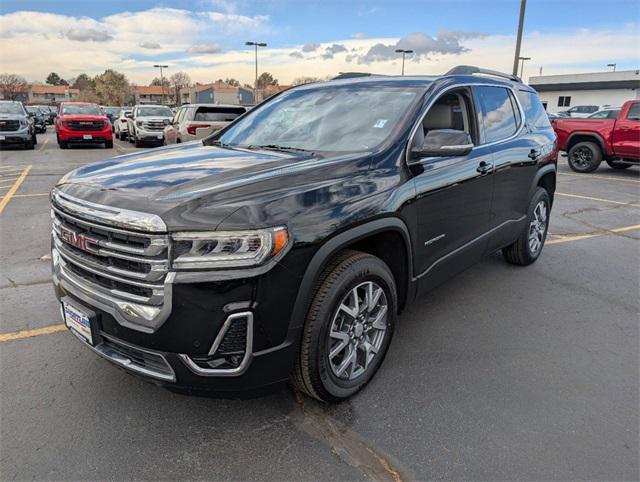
{"x":484,"y":167}
{"x":534,"y":154}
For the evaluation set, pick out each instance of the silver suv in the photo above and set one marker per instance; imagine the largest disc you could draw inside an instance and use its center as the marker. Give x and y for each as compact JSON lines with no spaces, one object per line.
{"x":16,"y":126}
{"x":197,"y":121}
{"x":147,"y":123}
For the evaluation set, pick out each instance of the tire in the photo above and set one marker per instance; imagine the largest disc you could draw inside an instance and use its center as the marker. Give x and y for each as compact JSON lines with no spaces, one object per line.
{"x":524,"y":251}
{"x":137,"y":143}
{"x":108,"y":144}
{"x":585,"y":157}
{"x":30,"y":144}
{"x":117,"y":134}
{"x":618,"y":165}
{"x":63,"y":145}
{"x":348,"y":275}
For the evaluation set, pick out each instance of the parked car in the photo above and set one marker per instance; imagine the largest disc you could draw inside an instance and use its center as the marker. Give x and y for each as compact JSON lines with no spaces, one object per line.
{"x":287,"y":243}
{"x":82,"y":123}
{"x":609,"y":113}
{"x":121,"y":124}
{"x":147,"y":123}
{"x":51,"y":112}
{"x":552,"y":117}
{"x":197,"y":121}
{"x":582,"y":111}
{"x":112,"y":114}
{"x":16,"y":127}
{"x":590,"y":141}
{"x":38,"y":117}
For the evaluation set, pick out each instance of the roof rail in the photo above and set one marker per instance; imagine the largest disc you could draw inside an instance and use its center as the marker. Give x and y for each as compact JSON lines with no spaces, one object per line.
{"x":472,"y":69}
{"x":352,"y":75}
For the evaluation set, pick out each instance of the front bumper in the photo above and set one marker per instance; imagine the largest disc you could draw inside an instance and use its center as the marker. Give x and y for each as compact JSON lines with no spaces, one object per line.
{"x":88,"y":137}
{"x":149,"y":136}
{"x":21,"y":136}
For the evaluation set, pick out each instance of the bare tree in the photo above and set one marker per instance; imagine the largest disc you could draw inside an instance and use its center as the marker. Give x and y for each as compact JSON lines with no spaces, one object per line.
{"x":112,"y":88}
{"x":179,"y":80}
{"x":305,"y":80}
{"x":11,"y":85}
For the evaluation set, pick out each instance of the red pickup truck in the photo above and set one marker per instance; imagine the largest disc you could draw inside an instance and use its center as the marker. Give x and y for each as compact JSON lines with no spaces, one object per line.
{"x":589,"y":141}
{"x":82,"y":122}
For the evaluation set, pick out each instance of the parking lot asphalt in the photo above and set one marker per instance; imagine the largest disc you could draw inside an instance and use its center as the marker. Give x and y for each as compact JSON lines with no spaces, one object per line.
{"x":502,"y":373}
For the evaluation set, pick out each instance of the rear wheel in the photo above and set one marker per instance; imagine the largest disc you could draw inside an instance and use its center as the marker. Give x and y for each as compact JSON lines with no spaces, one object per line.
{"x":585,"y":157}
{"x":348,"y":327}
{"x":528,"y":247}
{"x":618,"y":165}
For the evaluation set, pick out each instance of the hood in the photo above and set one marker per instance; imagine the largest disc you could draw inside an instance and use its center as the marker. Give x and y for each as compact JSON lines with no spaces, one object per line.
{"x":12,"y":116}
{"x":83,"y":117}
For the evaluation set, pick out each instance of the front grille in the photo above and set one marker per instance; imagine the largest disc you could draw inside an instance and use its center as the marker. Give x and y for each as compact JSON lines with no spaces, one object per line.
{"x":123,"y":264}
{"x":9,"y":125}
{"x":154,"y":125}
{"x":85,"y":125}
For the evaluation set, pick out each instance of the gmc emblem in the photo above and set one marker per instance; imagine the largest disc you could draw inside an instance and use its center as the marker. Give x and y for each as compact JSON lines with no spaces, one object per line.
{"x":78,"y":240}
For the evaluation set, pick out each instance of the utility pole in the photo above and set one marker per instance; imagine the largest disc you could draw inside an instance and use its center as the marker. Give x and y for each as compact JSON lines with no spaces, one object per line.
{"x":612,"y":65}
{"x":161,"y":78}
{"x":403,"y":52}
{"x":255,"y":87}
{"x":522,"y":60}
{"x":516,"y":58}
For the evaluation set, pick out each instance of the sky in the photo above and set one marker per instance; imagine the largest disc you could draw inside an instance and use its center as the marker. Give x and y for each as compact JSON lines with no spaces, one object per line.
{"x":206,"y":38}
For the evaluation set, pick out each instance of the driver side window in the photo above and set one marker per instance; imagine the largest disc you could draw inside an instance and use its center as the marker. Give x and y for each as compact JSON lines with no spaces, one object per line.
{"x":452,"y":111}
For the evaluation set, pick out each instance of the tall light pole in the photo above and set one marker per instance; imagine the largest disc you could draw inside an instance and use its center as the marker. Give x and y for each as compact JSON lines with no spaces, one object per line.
{"x":516,"y":57}
{"x":158,"y":66}
{"x":522,"y":59}
{"x":403,"y":52}
{"x":255,"y":87}
{"x":612,"y":65}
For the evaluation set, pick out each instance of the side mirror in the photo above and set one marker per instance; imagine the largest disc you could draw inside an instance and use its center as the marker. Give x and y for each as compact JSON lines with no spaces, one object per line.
{"x":129,"y":116}
{"x":444,"y":143}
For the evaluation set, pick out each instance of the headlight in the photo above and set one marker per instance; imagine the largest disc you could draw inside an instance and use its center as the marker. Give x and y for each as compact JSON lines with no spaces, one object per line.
{"x":227,"y":249}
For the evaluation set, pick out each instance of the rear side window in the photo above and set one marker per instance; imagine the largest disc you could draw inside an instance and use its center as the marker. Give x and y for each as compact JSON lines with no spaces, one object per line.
{"x":498,"y":113}
{"x":534,"y":112}
{"x":218,"y":114}
{"x":634,"y":112}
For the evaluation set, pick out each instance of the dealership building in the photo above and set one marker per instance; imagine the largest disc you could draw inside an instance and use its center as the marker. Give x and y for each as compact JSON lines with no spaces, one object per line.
{"x":560,"y":92}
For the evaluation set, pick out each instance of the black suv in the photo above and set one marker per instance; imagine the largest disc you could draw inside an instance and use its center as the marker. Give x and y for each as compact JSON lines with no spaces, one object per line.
{"x":284,"y":246}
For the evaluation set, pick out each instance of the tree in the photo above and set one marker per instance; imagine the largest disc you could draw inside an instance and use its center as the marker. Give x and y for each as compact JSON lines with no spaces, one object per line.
{"x":305,"y":80}
{"x":83,"y":82}
{"x":157,"y":82}
{"x":232,"y":82}
{"x":179,"y":80}
{"x":112,"y":88}
{"x":11,"y":85}
{"x":266,"y":79}
{"x":55,"y":79}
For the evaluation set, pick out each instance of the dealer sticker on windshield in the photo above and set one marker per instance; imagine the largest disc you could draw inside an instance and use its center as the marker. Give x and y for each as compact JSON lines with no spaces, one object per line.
{"x":380,"y":123}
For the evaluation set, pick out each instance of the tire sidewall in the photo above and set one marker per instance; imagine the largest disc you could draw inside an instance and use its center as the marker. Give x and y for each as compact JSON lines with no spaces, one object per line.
{"x":540,"y":195}
{"x":369,"y":269}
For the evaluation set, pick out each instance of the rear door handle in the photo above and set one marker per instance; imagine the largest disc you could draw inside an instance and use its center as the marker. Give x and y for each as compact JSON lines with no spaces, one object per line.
{"x":534,"y":154}
{"x":484,"y":167}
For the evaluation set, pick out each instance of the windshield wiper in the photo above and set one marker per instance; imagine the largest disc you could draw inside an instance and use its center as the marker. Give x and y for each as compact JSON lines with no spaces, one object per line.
{"x":275,"y":147}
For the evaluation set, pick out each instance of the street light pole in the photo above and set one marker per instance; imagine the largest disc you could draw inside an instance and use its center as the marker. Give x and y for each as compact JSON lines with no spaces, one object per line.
{"x":403,"y":52}
{"x":523,"y":6}
{"x":161,"y":78}
{"x":255,"y":87}
{"x":612,"y":65}
{"x":522,"y":60}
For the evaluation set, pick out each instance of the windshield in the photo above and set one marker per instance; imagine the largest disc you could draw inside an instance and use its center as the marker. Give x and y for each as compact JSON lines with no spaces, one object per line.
{"x":340,"y":119}
{"x":11,"y":108}
{"x":33,"y":110}
{"x":154,"y":111}
{"x":81,"y":109}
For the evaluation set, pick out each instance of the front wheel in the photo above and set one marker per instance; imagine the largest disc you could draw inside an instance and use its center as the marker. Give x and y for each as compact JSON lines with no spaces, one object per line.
{"x":528,"y":247}
{"x":585,"y":157}
{"x":108,"y":144}
{"x":348,"y":327}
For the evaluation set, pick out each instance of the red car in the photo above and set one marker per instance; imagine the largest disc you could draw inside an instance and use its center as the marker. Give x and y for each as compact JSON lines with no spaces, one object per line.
{"x":589,"y":141}
{"x":83,"y":123}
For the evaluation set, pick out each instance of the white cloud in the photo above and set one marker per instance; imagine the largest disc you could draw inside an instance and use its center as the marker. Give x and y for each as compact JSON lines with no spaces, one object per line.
{"x":150,"y":45}
{"x":205,"y":49}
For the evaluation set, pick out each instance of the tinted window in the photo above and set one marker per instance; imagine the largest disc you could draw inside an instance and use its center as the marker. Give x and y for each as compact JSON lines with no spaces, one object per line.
{"x":534,"y":112}
{"x":498,"y":115}
{"x":634,"y":112}
{"x":221,"y":114}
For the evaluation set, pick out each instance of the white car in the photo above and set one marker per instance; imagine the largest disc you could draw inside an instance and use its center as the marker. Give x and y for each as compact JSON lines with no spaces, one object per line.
{"x":121,"y":124}
{"x":147,"y":123}
{"x":197,"y":121}
{"x":608,"y":113}
{"x":583,"y":111}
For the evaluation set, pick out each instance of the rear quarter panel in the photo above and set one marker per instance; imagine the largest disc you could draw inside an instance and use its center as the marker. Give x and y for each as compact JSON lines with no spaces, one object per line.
{"x":566,"y":128}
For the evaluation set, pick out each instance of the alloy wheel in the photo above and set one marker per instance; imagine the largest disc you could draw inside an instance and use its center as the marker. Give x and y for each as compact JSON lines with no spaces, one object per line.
{"x":538,"y":228}
{"x":582,"y":157}
{"x":357,"y":330}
